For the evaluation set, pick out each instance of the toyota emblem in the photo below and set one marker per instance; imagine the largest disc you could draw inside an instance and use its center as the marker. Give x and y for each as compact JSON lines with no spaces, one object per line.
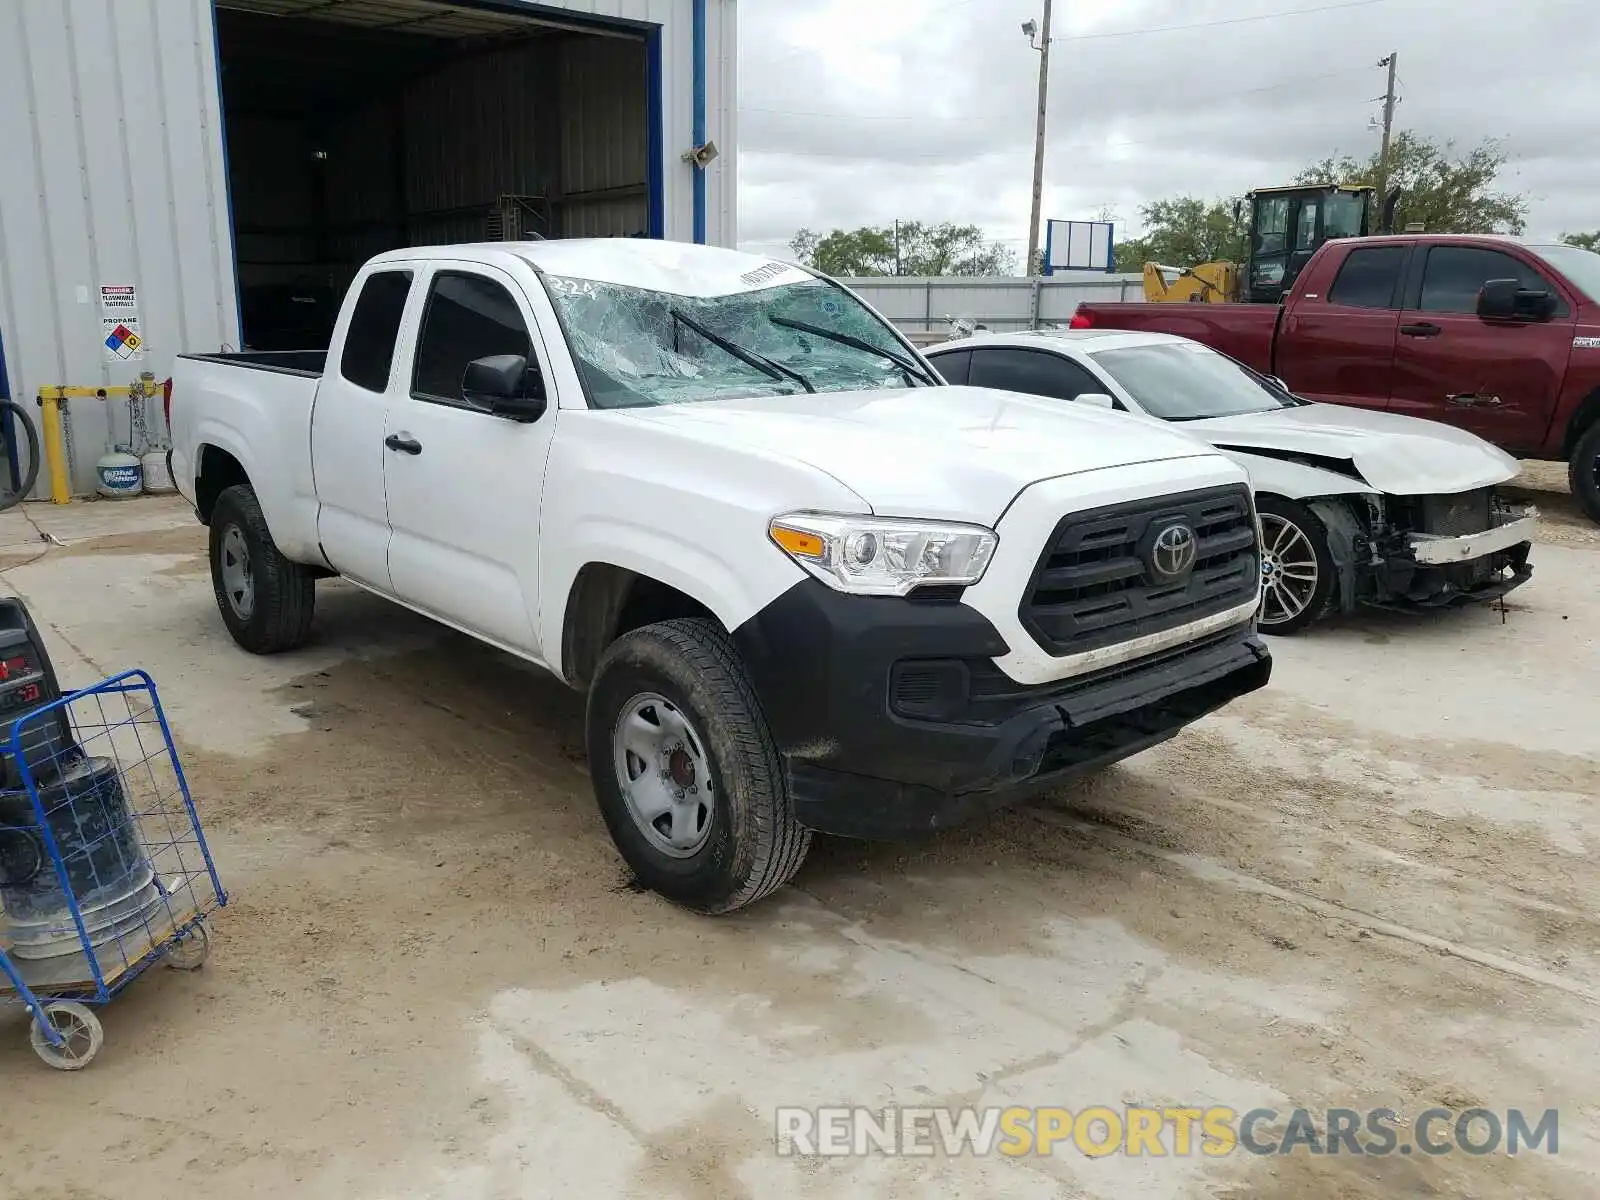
{"x":1172,"y":554}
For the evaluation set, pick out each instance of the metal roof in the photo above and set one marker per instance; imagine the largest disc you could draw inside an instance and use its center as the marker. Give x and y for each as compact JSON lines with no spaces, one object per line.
{"x":427,"y":18}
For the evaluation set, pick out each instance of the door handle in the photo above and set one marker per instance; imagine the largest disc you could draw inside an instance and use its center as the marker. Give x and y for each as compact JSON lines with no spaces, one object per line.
{"x":1421,"y":329}
{"x":406,"y":445}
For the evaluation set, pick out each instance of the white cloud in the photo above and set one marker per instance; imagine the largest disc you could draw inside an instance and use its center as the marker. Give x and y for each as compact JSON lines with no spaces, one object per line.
{"x":856,"y":111}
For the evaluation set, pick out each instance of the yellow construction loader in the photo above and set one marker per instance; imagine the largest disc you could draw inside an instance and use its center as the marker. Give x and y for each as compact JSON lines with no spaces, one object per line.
{"x":1286,"y":226}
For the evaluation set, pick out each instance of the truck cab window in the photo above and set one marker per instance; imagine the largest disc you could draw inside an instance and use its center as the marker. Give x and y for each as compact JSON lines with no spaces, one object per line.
{"x":374,"y":325}
{"x":1455,"y":274}
{"x":468,"y":317}
{"x":1305,"y":236}
{"x":1369,"y":277}
{"x":1033,"y":372}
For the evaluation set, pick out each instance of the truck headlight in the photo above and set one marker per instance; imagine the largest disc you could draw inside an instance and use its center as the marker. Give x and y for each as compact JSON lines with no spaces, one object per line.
{"x":884,"y":556}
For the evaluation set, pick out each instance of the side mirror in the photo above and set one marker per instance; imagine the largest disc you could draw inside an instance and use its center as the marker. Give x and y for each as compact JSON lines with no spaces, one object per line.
{"x":1097,"y":399}
{"x":506,"y":385}
{"x":1508,"y":300}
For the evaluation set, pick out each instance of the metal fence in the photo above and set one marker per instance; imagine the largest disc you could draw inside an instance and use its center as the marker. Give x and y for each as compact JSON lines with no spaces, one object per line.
{"x":919,"y":305}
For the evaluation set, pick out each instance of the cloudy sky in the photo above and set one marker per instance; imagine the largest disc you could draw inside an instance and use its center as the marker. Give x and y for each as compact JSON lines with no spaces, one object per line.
{"x":860,"y":111}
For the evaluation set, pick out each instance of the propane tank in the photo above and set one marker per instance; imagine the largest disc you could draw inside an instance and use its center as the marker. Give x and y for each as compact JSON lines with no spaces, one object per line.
{"x":153,"y":445}
{"x":119,"y":475}
{"x":153,"y":466}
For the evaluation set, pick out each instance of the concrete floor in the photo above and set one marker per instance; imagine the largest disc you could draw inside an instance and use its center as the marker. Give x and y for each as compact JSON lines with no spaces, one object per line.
{"x":1372,"y":884}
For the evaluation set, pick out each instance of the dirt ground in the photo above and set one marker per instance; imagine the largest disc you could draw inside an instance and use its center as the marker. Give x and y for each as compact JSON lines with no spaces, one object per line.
{"x":1373,"y":884}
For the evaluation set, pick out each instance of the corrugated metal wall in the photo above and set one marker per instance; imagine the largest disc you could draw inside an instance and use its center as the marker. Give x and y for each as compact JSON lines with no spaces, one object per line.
{"x":110,"y":120}
{"x":604,"y":138}
{"x":115,"y":173}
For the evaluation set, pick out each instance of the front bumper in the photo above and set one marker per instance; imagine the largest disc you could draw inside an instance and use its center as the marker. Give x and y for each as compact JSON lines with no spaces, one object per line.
{"x":1434,"y":571}
{"x":1434,"y":551}
{"x":893,"y":720}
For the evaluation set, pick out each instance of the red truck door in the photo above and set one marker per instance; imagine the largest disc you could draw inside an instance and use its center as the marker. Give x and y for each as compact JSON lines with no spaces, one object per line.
{"x":1499,"y":379}
{"x":1337,"y":340}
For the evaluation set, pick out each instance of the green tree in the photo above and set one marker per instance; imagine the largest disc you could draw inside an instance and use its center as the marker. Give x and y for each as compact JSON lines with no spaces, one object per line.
{"x":1183,"y":231}
{"x":1444,"y":191}
{"x":921,"y":249}
{"x":1584,"y":241}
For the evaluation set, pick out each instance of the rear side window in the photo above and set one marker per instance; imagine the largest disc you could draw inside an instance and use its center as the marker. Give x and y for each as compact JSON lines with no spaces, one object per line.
{"x":1456,"y":274}
{"x":1032,"y":371}
{"x":1369,"y":278}
{"x":468,"y":317}
{"x":952,"y":367}
{"x":374,"y":325}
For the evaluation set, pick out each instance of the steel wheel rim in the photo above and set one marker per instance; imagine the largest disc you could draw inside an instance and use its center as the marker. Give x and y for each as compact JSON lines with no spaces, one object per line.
{"x":1289,"y":571}
{"x":665,"y":774}
{"x":238,"y":580}
{"x":77,"y":1039}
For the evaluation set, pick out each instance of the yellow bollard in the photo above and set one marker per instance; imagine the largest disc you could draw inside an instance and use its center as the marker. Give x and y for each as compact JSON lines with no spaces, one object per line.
{"x":55,"y":458}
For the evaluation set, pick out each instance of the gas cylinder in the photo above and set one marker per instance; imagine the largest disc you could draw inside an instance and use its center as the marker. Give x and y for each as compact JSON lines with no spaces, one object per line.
{"x":118,"y":475}
{"x":156,"y":476}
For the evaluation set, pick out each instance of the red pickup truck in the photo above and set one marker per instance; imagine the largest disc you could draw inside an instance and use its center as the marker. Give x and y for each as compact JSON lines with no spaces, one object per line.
{"x":1497,"y":336}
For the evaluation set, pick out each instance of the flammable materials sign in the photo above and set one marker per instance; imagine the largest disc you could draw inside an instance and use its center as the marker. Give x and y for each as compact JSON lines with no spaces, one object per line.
{"x":119,"y":322}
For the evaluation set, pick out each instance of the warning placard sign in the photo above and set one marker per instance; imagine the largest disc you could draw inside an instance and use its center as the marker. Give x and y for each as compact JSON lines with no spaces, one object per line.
{"x":119,"y":322}
{"x":118,"y":298}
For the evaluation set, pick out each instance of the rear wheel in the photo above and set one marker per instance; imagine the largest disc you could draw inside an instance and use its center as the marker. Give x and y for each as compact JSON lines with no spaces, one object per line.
{"x":265,"y":600}
{"x":685,"y":770}
{"x":1297,"y":568}
{"x":1583,"y":471}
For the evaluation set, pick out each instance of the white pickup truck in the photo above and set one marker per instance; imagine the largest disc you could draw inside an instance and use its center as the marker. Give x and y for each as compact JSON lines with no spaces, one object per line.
{"x":805,"y":584}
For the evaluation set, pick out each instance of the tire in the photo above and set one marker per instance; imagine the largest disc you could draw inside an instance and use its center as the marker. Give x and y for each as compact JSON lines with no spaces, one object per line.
{"x":1294,"y":532}
{"x":1583,"y":472}
{"x":79,"y":1028}
{"x":22,"y":423}
{"x":273,"y":613}
{"x":685,"y":675}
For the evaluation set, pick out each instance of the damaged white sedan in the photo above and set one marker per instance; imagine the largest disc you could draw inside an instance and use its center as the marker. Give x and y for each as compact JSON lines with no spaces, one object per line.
{"x":1356,"y":506}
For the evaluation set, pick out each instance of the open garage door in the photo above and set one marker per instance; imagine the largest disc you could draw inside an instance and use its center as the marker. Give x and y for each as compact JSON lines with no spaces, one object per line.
{"x":356,"y":126}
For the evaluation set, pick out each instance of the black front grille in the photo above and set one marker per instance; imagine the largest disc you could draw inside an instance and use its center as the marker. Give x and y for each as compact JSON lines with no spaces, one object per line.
{"x":1094,"y":585}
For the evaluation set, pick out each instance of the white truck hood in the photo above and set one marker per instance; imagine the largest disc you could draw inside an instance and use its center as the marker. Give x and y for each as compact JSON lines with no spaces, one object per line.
{"x":1404,"y":456}
{"x":951,"y":453}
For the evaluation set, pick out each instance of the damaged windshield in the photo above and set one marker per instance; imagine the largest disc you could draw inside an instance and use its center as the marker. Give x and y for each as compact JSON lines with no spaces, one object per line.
{"x":634,"y":346}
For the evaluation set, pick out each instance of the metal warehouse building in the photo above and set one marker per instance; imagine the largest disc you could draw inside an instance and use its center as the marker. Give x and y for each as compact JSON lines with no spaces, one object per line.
{"x":211,"y":175}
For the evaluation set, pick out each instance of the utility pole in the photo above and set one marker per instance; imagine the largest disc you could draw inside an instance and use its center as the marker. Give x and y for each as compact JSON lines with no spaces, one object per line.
{"x":1392,"y":62}
{"x":1043,"y":47}
{"x":897,"y":246}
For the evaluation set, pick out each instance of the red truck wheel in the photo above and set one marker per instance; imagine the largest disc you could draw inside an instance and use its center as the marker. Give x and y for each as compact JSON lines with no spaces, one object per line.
{"x":1583,"y":471}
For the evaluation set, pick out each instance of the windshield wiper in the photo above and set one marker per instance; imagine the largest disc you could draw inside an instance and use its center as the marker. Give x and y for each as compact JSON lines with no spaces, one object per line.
{"x":769,"y":368}
{"x":906,"y":365}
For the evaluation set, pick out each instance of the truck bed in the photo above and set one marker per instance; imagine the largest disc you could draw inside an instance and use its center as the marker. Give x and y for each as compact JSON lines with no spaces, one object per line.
{"x":287,"y":362}
{"x":1244,"y":331}
{"x":255,"y":408}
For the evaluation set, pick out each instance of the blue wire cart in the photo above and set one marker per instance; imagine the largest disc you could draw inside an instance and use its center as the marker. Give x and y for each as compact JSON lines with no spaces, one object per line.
{"x":103,"y":867}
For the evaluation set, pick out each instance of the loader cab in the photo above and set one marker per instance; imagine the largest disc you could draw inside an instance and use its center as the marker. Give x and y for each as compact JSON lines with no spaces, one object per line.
{"x":1288,"y":225}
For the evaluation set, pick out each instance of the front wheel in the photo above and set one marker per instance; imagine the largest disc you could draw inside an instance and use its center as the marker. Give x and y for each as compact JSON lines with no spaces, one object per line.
{"x":1297,"y":568}
{"x":1583,"y":472}
{"x":685,"y":770}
